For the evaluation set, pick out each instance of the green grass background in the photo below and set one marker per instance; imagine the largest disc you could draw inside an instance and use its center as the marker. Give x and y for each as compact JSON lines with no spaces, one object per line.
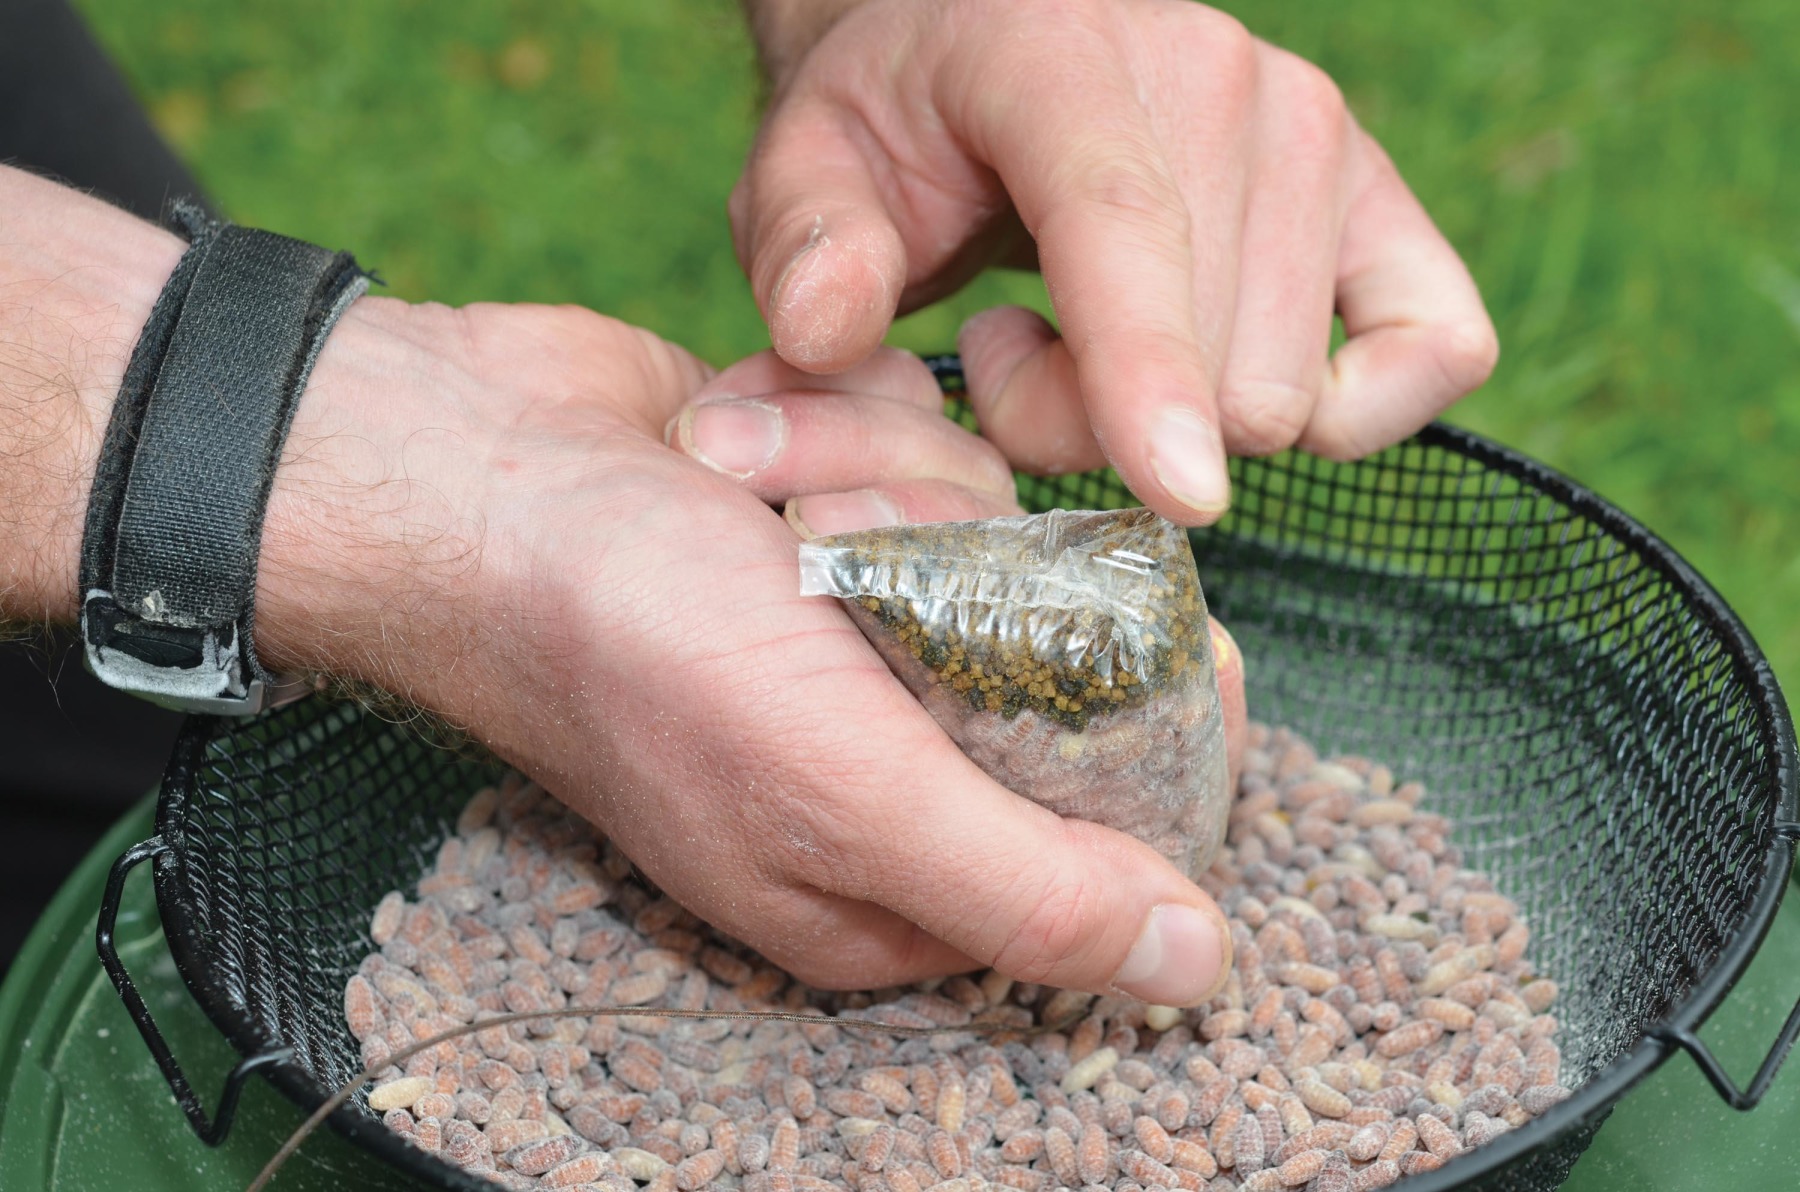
{"x":1622,"y":176}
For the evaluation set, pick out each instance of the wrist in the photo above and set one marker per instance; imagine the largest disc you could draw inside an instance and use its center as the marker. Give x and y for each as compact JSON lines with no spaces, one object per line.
{"x":372,"y":547}
{"x":367,"y":564}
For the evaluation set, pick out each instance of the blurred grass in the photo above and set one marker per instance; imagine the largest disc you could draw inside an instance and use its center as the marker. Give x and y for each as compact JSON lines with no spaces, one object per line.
{"x":1622,"y":176}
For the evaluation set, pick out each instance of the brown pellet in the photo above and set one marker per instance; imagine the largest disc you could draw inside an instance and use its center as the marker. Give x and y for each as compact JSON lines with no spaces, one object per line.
{"x":1367,"y":1142}
{"x":539,"y":1156}
{"x":1059,"y":1151}
{"x":1153,"y":1139}
{"x":698,"y":1170}
{"x":784,"y":1145}
{"x":1438,"y":1138}
{"x":1322,"y":1099}
{"x":1410,"y":1037}
{"x":1402,"y":1139}
{"x":1381,"y":1013}
{"x":1534,"y":1100}
{"x":1192,"y":1156}
{"x":1247,"y":1145}
{"x":583,"y":1169}
{"x":951,"y":1101}
{"x":1093,"y":1155}
{"x":1302,"y":1167}
{"x":1418,"y":1162}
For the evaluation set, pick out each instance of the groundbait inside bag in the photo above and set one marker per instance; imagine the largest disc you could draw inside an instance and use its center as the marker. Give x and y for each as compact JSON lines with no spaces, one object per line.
{"x":1067,"y":654}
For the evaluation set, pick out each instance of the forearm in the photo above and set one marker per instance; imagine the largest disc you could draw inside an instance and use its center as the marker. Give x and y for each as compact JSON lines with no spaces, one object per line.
{"x":77,"y":281}
{"x":784,"y":30}
{"x":348,"y":581}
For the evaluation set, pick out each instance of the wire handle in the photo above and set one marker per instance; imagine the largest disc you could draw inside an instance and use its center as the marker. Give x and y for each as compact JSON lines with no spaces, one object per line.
{"x":1708,"y":1063}
{"x":211,"y":1131}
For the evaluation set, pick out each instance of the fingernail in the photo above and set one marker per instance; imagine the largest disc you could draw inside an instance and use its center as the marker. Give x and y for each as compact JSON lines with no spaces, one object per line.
{"x":833,"y":299}
{"x":739,"y":438}
{"x":1181,"y":957}
{"x":820,"y":514}
{"x":1186,"y":455}
{"x":796,"y":275}
{"x":1224,"y":647}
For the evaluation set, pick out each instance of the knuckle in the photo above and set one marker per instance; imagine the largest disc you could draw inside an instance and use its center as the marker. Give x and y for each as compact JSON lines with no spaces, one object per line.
{"x":991,"y":472}
{"x":1131,"y":189}
{"x":1338,"y":443}
{"x":1314,"y":91}
{"x":821,"y":964}
{"x":1055,"y":929}
{"x":1128,"y":187}
{"x":1262,"y":417}
{"x":1229,"y":36}
{"x":876,"y":955}
{"x":830,"y":810}
{"x":1056,"y":18}
{"x":1465,"y":353}
{"x":1230,"y":49}
{"x":1318,"y":114}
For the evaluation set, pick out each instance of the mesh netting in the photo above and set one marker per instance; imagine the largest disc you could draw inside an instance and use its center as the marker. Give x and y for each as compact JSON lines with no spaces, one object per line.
{"x":1587,"y":712}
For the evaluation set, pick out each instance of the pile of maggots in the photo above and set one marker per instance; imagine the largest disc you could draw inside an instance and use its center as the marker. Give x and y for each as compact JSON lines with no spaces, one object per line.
{"x":1380,"y":1020}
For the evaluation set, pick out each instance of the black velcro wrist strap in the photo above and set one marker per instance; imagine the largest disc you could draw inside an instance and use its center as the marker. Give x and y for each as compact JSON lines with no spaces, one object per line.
{"x":174,"y":521}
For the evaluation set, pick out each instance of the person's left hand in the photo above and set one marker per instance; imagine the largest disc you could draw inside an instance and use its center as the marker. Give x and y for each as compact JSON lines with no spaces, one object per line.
{"x":478,"y":511}
{"x":870,"y":448}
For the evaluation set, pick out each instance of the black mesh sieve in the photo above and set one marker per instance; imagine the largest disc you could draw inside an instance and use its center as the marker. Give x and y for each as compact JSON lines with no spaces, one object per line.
{"x":1608,"y":739}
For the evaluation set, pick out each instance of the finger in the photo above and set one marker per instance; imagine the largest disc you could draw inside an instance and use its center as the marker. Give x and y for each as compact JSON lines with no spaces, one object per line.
{"x":904,"y":503}
{"x":800,"y":761}
{"x":889,"y":372}
{"x":832,"y":942}
{"x":1228,"y":664}
{"x":1419,"y":337}
{"x":784,"y":444}
{"x":825,"y":262}
{"x":1023,"y":390}
{"x":1282,"y":334}
{"x":1120,"y":242}
{"x":1040,"y":898}
{"x":825,"y":940}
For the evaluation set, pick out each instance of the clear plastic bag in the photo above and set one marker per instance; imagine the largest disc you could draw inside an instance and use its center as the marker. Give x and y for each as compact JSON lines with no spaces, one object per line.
{"x":1067,"y":654}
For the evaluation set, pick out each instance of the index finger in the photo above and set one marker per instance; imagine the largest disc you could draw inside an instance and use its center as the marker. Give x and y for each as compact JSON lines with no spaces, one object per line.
{"x":1117,"y":241}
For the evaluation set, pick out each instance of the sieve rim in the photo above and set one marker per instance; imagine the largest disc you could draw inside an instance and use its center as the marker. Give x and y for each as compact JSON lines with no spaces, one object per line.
{"x":1592,"y":1100}
{"x":185,"y":939}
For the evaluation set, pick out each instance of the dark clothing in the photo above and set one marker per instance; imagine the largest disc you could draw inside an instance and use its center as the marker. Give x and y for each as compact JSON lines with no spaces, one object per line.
{"x":74,"y":754}
{"x":66,"y":111}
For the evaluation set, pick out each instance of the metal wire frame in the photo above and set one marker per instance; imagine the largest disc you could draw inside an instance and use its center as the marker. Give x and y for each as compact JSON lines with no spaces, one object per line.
{"x":1610,"y":741}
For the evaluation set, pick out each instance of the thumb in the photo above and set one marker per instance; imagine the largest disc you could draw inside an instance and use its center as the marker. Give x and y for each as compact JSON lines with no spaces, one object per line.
{"x":1044,"y":899}
{"x":1066,"y":903}
{"x":824,"y":258}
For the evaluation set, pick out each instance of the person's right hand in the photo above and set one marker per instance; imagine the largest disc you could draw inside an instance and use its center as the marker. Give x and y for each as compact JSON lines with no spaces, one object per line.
{"x":1200,"y":202}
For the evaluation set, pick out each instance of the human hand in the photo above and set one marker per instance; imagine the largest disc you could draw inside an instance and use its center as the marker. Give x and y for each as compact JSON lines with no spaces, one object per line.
{"x":506,"y":538}
{"x":866,"y":449}
{"x":476,"y":510}
{"x":1200,"y":202}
